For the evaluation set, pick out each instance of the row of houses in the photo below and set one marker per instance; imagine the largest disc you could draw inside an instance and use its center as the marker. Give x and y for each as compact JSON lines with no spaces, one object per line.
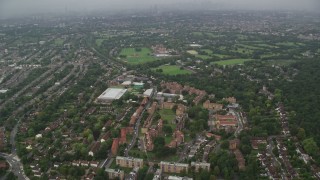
{"x":3,"y":140}
{"x":176,"y":88}
{"x":167,"y":167}
{"x":151,"y":111}
{"x":173,"y":167}
{"x":234,"y":147}
{"x":120,"y":140}
{"x":138,"y":112}
{"x":226,"y":121}
{"x":178,"y":138}
{"x":82,"y":163}
{"x":151,"y":134}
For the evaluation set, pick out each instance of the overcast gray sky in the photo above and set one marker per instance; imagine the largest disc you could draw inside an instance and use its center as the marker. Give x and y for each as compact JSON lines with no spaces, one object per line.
{"x":21,"y":7}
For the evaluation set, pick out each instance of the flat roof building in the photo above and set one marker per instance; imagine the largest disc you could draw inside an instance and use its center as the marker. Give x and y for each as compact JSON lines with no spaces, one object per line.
{"x":115,"y":173}
{"x":178,"y":178}
{"x":172,"y":167}
{"x":111,"y":94}
{"x":201,"y":165}
{"x":3,"y":90}
{"x":129,"y":162}
{"x":148,"y":93}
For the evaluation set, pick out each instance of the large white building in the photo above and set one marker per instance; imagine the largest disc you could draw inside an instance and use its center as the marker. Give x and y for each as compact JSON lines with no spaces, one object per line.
{"x":111,"y":94}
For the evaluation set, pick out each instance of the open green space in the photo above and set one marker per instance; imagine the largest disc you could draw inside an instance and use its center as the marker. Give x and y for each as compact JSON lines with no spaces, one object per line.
{"x":137,"y":56}
{"x":266,"y":46}
{"x":99,"y":41}
{"x":208,"y":51}
{"x":209,"y":55}
{"x":242,"y":37}
{"x":197,"y":33}
{"x":208,"y":34}
{"x":213,"y":35}
{"x":249,"y":47}
{"x":222,"y":56}
{"x":192,"y":52}
{"x":58,"y":42}
{"x":203,"y":56}
{"x":242,"y":50}
{"x":232,"y":61}
{"x":106,"y":36}
{"x":290,"y":44}
{"x":269,"y":55}
{"x":167,"y":115}
{"x":173,"y":70}
{"x":196,"y":54}
{"x":168,"y":139}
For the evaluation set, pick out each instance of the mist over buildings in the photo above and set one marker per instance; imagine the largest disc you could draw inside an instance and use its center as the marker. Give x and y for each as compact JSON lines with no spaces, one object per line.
{"x":9,"y":8}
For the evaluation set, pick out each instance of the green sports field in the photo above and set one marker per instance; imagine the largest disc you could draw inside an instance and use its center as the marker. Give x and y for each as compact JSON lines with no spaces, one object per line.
{"x":58,"y":42}
{"x":99,"y":41}
{"x":172,"y":70}
{"x":137,"y":57}
{"x":232,"y":61}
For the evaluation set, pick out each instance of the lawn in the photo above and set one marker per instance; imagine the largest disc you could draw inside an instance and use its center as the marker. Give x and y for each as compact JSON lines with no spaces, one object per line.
{"x":99,"y":42}
{"x":173,"y":70}
{"x":167,"y":115}
{"x":266,"y":46}
{"x":192,"y":52}
{"x":213,"y":35}
{"x":270,"y":55}
{"x":222,"y":56}
{"x":196,"y":54}
{"x":243,"y":50}
{"x":232,"y":61}
{"x":292,"y":44}
{"x":58,"y":42}
{"x":242,"y":37}
{"x":168,"y":138}
{"x":132,"y":56}
{"x":249,"y":47}
{"x":169,"y":157}
{"x":197,"y":33}
{"x":203,"y":56}
{"x":208,"y":51}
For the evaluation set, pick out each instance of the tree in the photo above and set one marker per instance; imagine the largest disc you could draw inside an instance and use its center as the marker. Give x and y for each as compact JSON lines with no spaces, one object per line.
{"x":224,"y":144}
{"x":159,"y":142}
{"x":167,"y":129}
{"x":216,"y":170}
{"x":301,"y":134}
{"x":310,"y":146}
{"x":103,"y":151}
{"x":226,"y":173}
{"x":11,"y":176}
{"x":142,"y":172}
{"x":101,"y":175}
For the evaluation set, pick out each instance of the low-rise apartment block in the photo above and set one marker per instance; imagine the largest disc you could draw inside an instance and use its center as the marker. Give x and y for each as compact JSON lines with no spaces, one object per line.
{"x":115,"y":174}
{"x":129,"y":162}
{"x":200,"y":166}
{"x":172,"y":167}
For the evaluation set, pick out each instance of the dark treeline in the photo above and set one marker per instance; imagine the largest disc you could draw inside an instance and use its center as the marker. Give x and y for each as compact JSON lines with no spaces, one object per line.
{"x":302,"y":99}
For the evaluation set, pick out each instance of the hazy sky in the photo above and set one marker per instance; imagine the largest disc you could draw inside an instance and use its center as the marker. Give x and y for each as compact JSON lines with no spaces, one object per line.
{"x":21,"y":7}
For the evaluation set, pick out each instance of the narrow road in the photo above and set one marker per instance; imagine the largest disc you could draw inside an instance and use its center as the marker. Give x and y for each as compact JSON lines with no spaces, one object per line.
{"x":15,"y":164}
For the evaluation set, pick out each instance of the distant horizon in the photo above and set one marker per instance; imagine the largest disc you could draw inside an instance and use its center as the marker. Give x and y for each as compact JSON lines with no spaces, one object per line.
{"x":14,"y":8}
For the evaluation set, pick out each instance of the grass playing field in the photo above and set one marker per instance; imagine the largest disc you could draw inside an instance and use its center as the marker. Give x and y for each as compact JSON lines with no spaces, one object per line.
{"x":192,"y":52}
{"x":137,"y":57}
{"x":99,"y":41}
{"x":172,"y":70}
{"x":232,"y":61}
{"x":58,"y":42}
{"x":196,"y":54}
